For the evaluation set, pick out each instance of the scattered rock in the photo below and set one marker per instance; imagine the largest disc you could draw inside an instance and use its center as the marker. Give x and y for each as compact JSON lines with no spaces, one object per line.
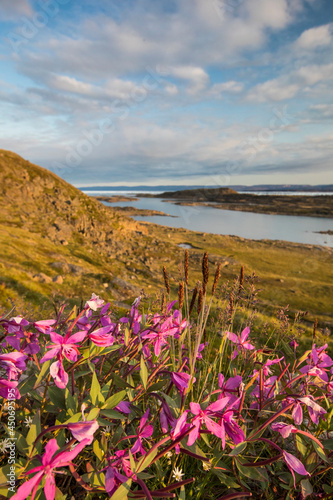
{"x":64,"y":242}
{"x":58,"y":279}
{"x":42,"y":278}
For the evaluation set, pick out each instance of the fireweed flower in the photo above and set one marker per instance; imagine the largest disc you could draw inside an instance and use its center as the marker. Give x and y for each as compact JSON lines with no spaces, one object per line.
{"x":58,"y":374}
{"x":49,"y":462}
{"x":94,"y":303}
{"x":284,"y":429}
{"x":102,"y":337}
{"x":6,"y":385}
{"x":83,"y":430}
{"x":45,"y":326}
{"x":159,"y":337}
{"x":240,"y":341}
{"x":144,"y":431}
{"x":203,"y":417}
{"x":294,"y":465}
{"x":317,"y":361}
{"x":64,"y":346}
{"x":13,"y":363}
{"x":181,"y":380}
{"x":315,"y":411}
{"x":230,"y":426}
{"x":230,"y":388}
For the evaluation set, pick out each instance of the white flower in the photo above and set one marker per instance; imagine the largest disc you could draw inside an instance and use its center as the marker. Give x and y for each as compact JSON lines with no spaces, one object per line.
{"x":177,"y":474}
{"x":28,"y":421}
{"x":3,"y":445}
{"x":168,"y":454}
{"x":206,"y":465}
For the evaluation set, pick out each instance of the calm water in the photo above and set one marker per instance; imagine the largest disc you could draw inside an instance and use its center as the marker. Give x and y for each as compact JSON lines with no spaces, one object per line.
{"x":244,"y":224}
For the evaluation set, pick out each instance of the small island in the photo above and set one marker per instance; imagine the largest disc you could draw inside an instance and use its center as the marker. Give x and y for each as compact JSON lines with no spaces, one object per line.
{"x":229,"y":199}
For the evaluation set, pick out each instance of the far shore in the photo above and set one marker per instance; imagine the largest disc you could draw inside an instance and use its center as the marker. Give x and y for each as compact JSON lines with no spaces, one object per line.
{"x":228,"y":199}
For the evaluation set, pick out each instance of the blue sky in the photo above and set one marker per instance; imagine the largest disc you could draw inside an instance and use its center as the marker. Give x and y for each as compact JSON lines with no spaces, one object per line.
{"x":210,"y":92}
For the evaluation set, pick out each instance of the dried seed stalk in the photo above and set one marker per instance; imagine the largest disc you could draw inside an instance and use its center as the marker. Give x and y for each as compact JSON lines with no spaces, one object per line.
{"x":231,"y":304}
{"x":200,"y":300}
{"x":181,"y":294}
{"x":315,"y":328}
{"x":194,"y":296}
{"x":216,"y":278}
{"x":163,"y":302}
{"x":166,"y":280}
{"x":241,"y":280}
{"x":205,"y":272}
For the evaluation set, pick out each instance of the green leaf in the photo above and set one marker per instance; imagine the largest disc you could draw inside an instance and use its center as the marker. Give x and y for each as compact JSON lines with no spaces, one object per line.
{"x":300,"y":445}
{"x":255,"y":473}
{"x":306,"y":488}
{"x":59,"y":495}
{"x":34,"y":431}
{"x":113,"y":414}
{"x":228,"y":481}
{"x":146,"y":460}
{"x":328,"y":444}
{"x":96,"y":479}
{"x":122,"y":491}
{"x":320,"y":452}
{"x":143,"y":372}
{"x":95,"y":391}
{"x":93,"y":414}
{"x":238,"y":449}
{"x":182,"y":493}
{"x":158,"y":386}
{"x":97,"y":450}
{"x":43,"y":372}
{"x":27,"y":385}
{"x":57,"y":397}
{"x":114,"y":400}
{"x":119,"y":382}
{"x":70,"y":401}
{"x":132,"y":462}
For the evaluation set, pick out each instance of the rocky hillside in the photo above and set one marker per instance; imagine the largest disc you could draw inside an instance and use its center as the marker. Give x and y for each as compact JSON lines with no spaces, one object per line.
{"x":35,"y":199}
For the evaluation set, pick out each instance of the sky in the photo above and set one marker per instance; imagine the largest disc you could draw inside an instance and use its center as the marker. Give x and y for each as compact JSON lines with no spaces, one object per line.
{"x":155,"y":92}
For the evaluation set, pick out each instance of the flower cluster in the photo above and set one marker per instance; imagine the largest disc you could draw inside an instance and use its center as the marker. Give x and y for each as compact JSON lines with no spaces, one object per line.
{"x":156,"y":404}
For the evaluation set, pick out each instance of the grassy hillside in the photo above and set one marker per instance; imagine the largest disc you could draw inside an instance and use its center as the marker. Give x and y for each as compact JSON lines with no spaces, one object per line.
{"x":57,"y":243}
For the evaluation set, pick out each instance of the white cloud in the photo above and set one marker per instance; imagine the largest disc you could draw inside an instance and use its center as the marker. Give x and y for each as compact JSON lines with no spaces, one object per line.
{"x":10,"y":9}
{"x":312,"y":38}
{"x":197,"y":77}
{"x":273,"y":90}
{"x":231,"y":86}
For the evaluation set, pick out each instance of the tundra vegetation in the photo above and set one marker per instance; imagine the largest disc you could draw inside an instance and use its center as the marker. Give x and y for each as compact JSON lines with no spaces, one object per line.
{"x":186,"y":398}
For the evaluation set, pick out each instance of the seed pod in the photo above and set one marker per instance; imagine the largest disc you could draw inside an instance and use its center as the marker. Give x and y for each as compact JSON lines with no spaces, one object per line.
{"x":181,"y":294}
{"x":205,"y":272}
{"x":216,"y":278}
{"x":194,"y":296}
{"x":166,"y":280}
{"x":186,"y":266}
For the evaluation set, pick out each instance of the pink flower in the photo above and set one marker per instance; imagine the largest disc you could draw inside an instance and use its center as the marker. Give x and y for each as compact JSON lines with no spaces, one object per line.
{"x":102,"y":337}
{"x":317,"y":361}
{"x":240,"y":341}
{"x":124,"y":407}
{"x":8,"y":387}
{"x":14,"y":363}
{"x":64,"y":346}
{"x":294,"y":465}
{"x":94,"y":303}
{"x":143,"y":431}
{"x":45,"y":326}
{"x":284,"y":429}
{"x":83,"y":430}
{"x":62,"y":459}
{"x":229,"y":388}
{"x":181,"y":380}
{"x":59,"y":375}
{"x":160,"y":334}
{"x":203,"y":417}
